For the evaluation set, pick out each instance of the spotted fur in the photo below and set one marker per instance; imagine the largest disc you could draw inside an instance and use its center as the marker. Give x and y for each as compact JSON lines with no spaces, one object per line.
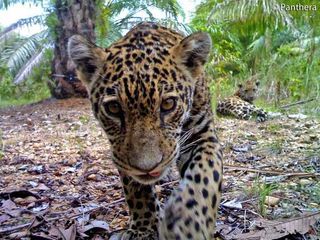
{"x":150,"y":95}
{"x":240,"y":105}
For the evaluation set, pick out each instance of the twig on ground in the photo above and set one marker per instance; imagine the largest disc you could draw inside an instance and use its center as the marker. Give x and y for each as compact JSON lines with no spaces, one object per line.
{"x":274,"y":172}
{"x":297,"y":103}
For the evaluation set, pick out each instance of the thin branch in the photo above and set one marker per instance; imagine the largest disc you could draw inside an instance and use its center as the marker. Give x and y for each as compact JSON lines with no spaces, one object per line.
{"x":297,"y":103}
{"x":280,"y":173}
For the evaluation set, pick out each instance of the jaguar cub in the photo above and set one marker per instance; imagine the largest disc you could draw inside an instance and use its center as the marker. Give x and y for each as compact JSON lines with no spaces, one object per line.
{"x":149,"y":93}
{"x":240,"y":104}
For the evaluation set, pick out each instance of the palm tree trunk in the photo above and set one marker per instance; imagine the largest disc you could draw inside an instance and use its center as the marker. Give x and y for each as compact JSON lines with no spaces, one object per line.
{"x":74,"y":17}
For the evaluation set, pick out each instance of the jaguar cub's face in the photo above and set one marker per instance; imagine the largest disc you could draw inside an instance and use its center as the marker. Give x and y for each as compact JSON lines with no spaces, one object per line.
{"x":141,"y":97}
{"x":248,"y":91}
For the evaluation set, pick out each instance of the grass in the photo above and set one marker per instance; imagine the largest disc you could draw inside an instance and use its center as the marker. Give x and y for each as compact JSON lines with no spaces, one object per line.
{"x":310,"y":108}
{"x":260,"y":190}
{"x":4,"y":103}
{"x":267,"y":106}
{"x":273,"y":128}
{"x":276,"y":146}
{"x":84,"y":119}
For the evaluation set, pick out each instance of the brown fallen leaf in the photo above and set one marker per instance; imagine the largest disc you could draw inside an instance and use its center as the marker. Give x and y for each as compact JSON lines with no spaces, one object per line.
{"x":37,"y":221}
{"x":69,"y":233}
{"x":54,"y":232}
{"x":41,"y":187}
{"x":4,"y":217}
{"x":14,"y":213}
{"x":20,"y":160}
{"x":8,"y":205}
{"x":19,"y":235}
{"x":41,"y":236}
{"x":95,"y":224}
{"x":277,"y":229}
{"x":18,"y":194}
{"x":25,"y":201}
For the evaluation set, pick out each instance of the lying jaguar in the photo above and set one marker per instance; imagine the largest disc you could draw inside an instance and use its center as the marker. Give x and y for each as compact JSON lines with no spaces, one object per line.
{"x":149,"y":93}
{"x":240,"y":104}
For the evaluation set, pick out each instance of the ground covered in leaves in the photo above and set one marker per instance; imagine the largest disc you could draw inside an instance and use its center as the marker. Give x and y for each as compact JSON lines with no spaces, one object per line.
{"x":57,"y":180}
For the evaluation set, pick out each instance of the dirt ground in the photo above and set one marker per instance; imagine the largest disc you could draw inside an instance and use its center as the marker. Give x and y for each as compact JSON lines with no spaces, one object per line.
{"x":57,"y":180}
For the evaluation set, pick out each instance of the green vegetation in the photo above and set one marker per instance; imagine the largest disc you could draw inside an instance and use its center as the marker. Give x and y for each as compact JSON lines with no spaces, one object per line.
{"x":274,"y":128}
{"x":274,"y":147}
{"x":308,"y":188}
{"x":33,"y":89}
{"x":84,"y":119}
{"x":259,"y":38}
{"x":249,"y":38}
{"x":23,"y":58}
{"x":260,"y":190}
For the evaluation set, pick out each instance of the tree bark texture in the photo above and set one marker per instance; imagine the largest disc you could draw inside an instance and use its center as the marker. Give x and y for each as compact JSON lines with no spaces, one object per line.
{"x":74,"y":17}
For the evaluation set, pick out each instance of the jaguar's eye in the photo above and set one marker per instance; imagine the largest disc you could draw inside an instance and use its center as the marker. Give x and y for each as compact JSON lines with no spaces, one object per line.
{"x":168,"y":104}
{"x":113,"y":108}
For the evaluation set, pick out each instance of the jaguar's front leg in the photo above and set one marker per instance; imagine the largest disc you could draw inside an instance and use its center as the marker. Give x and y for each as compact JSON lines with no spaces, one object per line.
{"x":192,"y":209}
{"x":262,"y":115}
{"x":144,"y":211}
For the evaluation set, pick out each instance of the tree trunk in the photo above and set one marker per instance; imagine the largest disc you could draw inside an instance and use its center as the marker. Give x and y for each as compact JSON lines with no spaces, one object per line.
{"x":74,"y":17}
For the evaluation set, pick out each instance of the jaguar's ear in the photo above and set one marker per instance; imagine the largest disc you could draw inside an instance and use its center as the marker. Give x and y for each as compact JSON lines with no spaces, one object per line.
{"x":193,"y":51}
{"x":87,"y":57}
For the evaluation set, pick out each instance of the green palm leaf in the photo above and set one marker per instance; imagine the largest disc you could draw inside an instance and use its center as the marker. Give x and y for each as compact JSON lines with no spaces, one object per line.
{"x":27,"y":68}
{"x":111,"y":26}
{"x":4,"y":4}
{"x":24,"y":53}
{"x":40,"y":19}
{"x":251,"y":13}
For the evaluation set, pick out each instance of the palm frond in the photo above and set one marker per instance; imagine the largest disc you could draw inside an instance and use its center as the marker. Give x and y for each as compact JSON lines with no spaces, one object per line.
{"x":262,"y":12}
{"x":179,"y":26}
{"x":26,"y":70}
{"x":257,"y":45}
{"x":113,"y":27}
{"x":17,"y":55}
{"x":171,"y":7}
{"x":4,"y":4}
{"x":117,"y":6}
{"x":8,"y":43}
{"x":308,"y":42}
{"x":40,"y":19}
